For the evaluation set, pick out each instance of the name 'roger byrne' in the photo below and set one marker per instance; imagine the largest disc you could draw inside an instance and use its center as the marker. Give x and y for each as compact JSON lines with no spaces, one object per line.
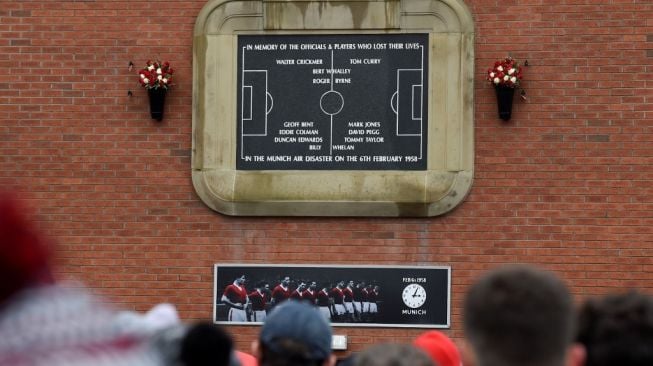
{"x":300,"y":61}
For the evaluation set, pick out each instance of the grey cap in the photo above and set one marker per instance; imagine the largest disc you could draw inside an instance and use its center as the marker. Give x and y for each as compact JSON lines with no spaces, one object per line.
{"x":300,"y":322}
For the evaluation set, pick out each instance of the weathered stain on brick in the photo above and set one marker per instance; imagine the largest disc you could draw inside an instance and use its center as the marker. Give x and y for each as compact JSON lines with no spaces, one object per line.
{"x":598,"y":138}
{"x":72,"y":137}
{"x":180,"y":152}
{"x":20,"y":13}
{"x":20,"y":42}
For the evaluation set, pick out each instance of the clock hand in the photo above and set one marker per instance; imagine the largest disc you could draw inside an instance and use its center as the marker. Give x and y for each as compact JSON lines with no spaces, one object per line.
{"x":415,"y":294}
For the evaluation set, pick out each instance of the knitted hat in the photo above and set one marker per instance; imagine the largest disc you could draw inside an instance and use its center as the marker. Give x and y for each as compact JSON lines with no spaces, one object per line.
{"x":439,"y":347}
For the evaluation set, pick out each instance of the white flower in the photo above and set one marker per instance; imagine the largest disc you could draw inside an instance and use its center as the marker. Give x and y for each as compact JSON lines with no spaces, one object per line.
{"x":159,"y":77}
{"x":150,"y":68}
{"x":506,"y":77}
{"x":165,"y":81}
{"x":500,"y":68}
{"x":158,"y":71}
{"x":496,"y":80}
{"x":491,"y":74}
{"x":142,"y":76}
{"x":511,"y":71}
{"x":513,"y":79}
{"x":146,"y":80}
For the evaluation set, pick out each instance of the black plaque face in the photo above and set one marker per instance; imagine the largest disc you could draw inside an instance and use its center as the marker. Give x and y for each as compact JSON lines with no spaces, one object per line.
{"x":415,"y":297}
{"x":333,"y":102}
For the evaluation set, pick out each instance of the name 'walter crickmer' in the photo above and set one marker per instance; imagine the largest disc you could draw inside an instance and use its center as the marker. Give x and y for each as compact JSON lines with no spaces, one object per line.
{"x":299,"y":61}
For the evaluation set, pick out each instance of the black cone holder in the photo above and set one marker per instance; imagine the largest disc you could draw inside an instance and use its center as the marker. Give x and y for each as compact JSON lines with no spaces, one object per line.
{"x":157,"y":100}
{"x":504,"y":101}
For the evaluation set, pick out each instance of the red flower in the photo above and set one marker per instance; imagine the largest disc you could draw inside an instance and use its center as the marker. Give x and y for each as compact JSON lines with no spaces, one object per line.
{"x":506,"y":72}
{"x":149,"y":73}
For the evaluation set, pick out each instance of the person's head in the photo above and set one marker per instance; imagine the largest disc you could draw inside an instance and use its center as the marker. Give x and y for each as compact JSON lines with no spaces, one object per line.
{"x":341,"y":284}
{"x":520,"y":315}
{"x":313,"y":285}
{"x":240,"y":280}
{"x":294,"y":334}
{"x":285,"y":281}
{"x":617,"y":329}
{"x":302,"y":286}
{"x":442,"y":350}
{"x":392,"y":355}
{"x":205,"y":344}
{"x":261,"y":285}
{"x":24,"y":252}
{"x":244,"y":359}
{"x":350,"y":284}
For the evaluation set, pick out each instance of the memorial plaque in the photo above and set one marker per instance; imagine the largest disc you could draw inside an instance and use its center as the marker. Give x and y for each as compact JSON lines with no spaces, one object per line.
{"x":352,"y":296}
{"x":341,"y":108}
{"x":332,"y":102}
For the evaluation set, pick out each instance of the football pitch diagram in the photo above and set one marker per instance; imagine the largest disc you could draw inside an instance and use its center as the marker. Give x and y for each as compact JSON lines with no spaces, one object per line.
{"x":332,"y":102}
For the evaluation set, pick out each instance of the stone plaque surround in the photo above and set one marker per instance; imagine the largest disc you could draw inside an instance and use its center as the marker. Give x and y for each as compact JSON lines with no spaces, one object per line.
{"x":434,"y":191}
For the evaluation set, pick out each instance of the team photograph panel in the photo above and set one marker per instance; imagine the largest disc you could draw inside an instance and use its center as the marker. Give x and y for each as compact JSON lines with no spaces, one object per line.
{"x":363,"y":295}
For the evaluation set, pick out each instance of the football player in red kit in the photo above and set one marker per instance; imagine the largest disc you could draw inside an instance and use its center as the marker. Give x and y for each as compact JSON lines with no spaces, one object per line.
{"x":258,"y":300}
{"x":310,"y":293}
{"x":298,"y":294}
{"x":338,"y":301}
{"x":324,"y":303}
{"x":281,"y":292}
{"x":235,"y":296}
{"x":349,"y":300}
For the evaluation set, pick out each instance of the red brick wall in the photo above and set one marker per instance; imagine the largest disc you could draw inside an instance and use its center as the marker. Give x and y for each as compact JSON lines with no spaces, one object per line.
{"x":565,"y":184}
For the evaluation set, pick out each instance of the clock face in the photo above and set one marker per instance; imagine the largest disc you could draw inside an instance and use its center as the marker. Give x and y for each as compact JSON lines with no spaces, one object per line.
{"x":414,"y":295}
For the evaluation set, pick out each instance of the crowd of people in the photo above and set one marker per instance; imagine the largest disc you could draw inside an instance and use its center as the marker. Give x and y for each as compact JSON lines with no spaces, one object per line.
{"x":345,"y":302}
{"x":513,"y":316}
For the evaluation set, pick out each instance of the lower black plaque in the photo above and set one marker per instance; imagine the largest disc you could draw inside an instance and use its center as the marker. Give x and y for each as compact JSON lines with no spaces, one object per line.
{"x":365,"y":296}
{"x":332,"y":102}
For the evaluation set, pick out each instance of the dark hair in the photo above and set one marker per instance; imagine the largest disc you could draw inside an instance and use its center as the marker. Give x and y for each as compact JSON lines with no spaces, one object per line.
{"x":391,"y":354}
{"x":519,"y":315}
{"x":287,"y":352}
{"x":206,"y":344}
{"x":617,"y":329}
